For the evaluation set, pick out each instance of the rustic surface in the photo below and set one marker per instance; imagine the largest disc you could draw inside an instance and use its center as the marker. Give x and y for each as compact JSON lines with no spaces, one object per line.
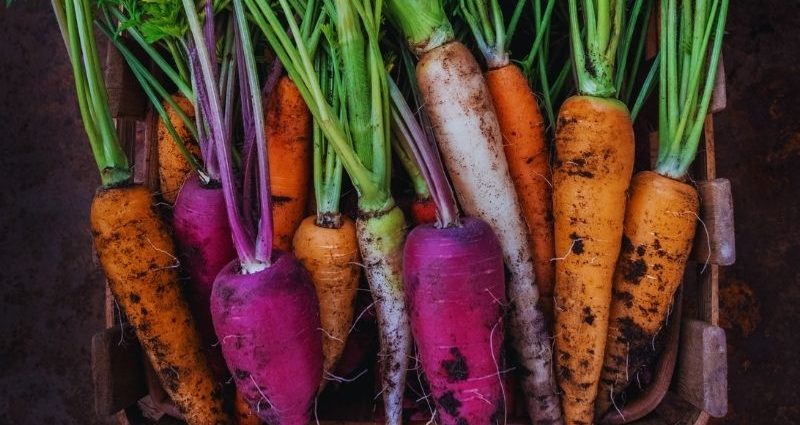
{"x":52,"y":296}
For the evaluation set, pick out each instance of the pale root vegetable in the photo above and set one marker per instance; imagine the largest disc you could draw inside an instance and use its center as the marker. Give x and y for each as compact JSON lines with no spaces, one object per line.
{"x":138,"y":256}
{"x":466,"y":129}
{"x":594,"y":161}
{"x":456,"y":293}
{"x":205,"y":247}
{"x":173,"y":168}
{"x":289,"y":144}
{"x":659,"y":228}
{"x":330,"y":254}
{"x":380,"y":239}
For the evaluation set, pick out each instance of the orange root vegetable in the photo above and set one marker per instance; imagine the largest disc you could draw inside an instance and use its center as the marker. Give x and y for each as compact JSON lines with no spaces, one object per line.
{"x":138,"y":257}
{"x":525,"y":146}
{"x":244,"y":414}
{"x":659,"y":228}
{"x":172,"y":165}
{"x":290,"y":151}
{"x":423,"y":211}
{"x":331,"y":256}
{"x":594,"y":162}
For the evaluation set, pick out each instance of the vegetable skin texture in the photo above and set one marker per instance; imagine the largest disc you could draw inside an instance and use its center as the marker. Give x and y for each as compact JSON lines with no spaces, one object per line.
{"x":331,"y":256}
{"x":466,"y":129}
{"x":244,"y":414}
{"x":593,"y":166}
{"x":173,"y":168}
{"x":456,"y":292}
{"x":525,"y":146}
{"x":203,"y":235}
{"x":268,"y":326}
{"x":380,"y":238}
{"x":659,"y":228}
{"x":137,"y":255}
{"x":289,"y":149}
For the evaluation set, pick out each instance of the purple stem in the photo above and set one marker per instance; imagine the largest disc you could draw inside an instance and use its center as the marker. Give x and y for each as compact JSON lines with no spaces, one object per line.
{"x":249,"y":153}
{"x":427,"y":156}
{"x":209,"y":100}
{"x":205,"y":140}
{"x":209,"y":34}
{"x":263,"y":244}
{"x":249,"y":137}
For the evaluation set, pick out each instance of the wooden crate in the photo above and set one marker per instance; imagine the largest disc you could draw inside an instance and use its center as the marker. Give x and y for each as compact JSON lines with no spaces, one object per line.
{"x":689,"y":384}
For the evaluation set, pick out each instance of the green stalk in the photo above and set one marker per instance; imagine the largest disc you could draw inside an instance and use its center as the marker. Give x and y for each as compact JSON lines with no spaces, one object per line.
{"x":327,"y":165}
{"x":296,"y":58}
{"x":685,"y":99}
{"x":423,"y":22}
{"x":352,"y":44}
{"x":75,"y":21}
{"x":594,"y":58}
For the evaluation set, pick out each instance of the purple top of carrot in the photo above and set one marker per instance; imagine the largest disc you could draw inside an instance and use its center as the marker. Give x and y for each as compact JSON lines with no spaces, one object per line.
{"x":408,"y":130}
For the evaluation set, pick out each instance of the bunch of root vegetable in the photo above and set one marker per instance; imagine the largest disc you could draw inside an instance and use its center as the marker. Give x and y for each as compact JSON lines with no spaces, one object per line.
{"x":564,"y":252}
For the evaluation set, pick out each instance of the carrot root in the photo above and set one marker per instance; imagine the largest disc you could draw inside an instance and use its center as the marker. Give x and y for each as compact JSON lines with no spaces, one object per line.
{"x":331,"y":257}
{"x":289,"y":149}
{"x":594,"y":162}
{"x":659,"y":228}
{"x":138,"y":257}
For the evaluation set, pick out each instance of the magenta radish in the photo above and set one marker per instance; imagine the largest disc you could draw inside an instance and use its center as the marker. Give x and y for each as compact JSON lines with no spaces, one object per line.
{"x":268,"y":323}
{"x":455,"y":291}
{"x":263,"y":306}
{"x":204,"y":241}
{"x":468,"y":133}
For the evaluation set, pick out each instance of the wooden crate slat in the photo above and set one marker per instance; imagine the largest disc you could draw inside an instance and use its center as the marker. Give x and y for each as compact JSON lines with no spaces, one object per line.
{"x":702,"y":378}
{"x":117,"y":370}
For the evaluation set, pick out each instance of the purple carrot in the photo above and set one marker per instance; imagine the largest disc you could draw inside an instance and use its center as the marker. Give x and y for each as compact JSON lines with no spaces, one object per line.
{"x":263,"y":304}
{"x":455,"y":289}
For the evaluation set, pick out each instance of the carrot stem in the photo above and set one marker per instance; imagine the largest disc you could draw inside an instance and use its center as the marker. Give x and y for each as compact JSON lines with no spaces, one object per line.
{"x":75,"y":22}
{"x":686,"y":83}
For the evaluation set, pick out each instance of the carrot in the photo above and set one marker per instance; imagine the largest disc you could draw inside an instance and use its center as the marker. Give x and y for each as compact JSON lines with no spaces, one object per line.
{"x":659,"y":228}
{"x":457,"y":328}
{"x":522,"y":126}
{"x":134,"y":247}
{"x":330,"y":254}
{"x":173,"y":168}
{"x":594,"y":151}
{"x":326,"y":243}
{"x":263,"y":304}
{"x":365,"y":156}
{"x":244,"y":414}
{"x":662,"y":211}
{"x":592,"y":171}
{"x":468,"y":135}
{"x":289,"y":142}
{"x":138,"y":257}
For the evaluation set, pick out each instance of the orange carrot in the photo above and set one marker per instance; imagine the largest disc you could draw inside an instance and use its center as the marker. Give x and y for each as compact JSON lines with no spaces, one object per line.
{"x":289,"y":143}
{"x":593,"y":166}
{"x":659,"y":228}
{"x":173,"y":168}
{"x":244,"y":414}
{"x":138,"y":257}
{"x":522,"y":126}
{"x":328,"y":248}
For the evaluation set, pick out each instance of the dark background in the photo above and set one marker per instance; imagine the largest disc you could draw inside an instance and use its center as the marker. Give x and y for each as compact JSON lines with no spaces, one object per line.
{"x":52,"y":295}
